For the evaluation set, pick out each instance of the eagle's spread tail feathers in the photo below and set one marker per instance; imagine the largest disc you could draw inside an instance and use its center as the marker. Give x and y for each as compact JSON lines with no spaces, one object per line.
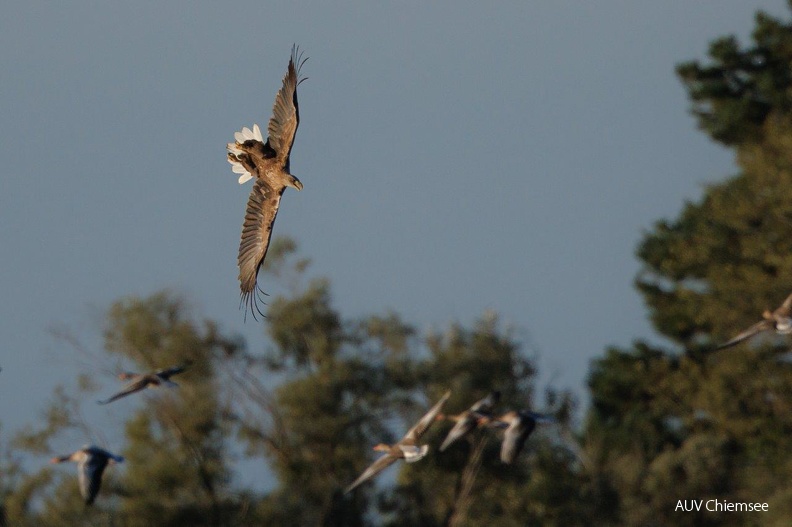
{"x":246,"y":134}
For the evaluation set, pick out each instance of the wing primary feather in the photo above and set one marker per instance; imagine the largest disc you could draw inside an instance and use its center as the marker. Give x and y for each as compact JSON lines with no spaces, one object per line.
{"x":297,"y":57}
{"x":250,"y":299}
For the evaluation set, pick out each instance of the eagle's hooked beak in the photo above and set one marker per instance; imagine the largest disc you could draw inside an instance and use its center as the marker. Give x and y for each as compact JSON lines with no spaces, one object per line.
{"x":295,"y":183}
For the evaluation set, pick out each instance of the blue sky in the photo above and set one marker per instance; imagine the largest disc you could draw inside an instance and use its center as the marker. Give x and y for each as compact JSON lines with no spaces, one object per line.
{"x":457,"y":157}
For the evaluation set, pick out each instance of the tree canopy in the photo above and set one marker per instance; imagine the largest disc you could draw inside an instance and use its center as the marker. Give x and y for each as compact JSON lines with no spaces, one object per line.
{"x":685,"y":421}
{"x":310,"y":403}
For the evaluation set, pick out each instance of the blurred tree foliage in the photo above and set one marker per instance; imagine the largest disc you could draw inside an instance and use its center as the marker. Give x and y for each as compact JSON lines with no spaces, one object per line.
{"x":350,"y":384}
{"x":734,"y":94}
{"x":683,"y":422}
{"x":310,"y":403}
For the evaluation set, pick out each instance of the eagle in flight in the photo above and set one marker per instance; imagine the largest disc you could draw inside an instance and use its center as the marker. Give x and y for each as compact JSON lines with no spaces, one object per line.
{"x":268,"y":162}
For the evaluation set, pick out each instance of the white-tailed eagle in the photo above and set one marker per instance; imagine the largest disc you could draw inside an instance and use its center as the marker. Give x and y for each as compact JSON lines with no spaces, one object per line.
{"x":268,"y":162}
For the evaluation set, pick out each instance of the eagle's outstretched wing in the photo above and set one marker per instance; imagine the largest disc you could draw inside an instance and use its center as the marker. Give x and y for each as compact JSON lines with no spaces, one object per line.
{"x":286,"y":112}
{"x":262,"y":207}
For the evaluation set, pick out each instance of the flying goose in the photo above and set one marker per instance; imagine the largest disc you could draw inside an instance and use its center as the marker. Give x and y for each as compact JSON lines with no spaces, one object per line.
{"x":268,"y":162}
{"x":778,"y":320}
{"x":519,"y":425}
{"x":406,"y":449}
{"x":91,"y":462}
{"x":139,"y":381}
{"x":468,"y":420}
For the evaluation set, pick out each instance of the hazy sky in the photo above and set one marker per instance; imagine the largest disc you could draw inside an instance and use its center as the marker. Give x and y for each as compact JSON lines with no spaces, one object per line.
{"x":457,"y":157}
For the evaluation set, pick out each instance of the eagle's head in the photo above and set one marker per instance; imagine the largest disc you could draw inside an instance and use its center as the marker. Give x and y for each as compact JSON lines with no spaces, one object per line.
{"x":293,"y":182}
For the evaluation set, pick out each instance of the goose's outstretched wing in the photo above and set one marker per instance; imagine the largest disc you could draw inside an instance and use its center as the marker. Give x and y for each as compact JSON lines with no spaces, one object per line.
{"x":169,"y":372}
{"x":515,"y":437}
{"x":132,"y":387}
{"x":469,"y":420}
{"x":487,"y":404}
{"x":786,"y":308}
{"x":262,"y":207}
{"x":466,"y":424}
{"x":375,"y":468}
{"x":415,"y":433}
{"x":764,"y":325}
{"x":90,"y":470}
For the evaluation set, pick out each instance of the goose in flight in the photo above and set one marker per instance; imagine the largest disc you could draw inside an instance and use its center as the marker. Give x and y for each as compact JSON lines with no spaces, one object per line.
{"x":138,"y":382}
{"x":519,"y":425}
{"x":91,"y":463}
{"x":468,"y":420}
{"x":406,"y":449}
{"x":778,"y":320}
{"x":268,"y":162}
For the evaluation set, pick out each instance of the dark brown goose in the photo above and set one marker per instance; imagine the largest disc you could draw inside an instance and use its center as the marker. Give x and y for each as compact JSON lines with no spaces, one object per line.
{"x":778,"y":320}
{"x":268,"y":163}
{"x":91,"y":463}
{"x":138,"y":381}
{"x":406,"y":449}
{"x":469,"y":420}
